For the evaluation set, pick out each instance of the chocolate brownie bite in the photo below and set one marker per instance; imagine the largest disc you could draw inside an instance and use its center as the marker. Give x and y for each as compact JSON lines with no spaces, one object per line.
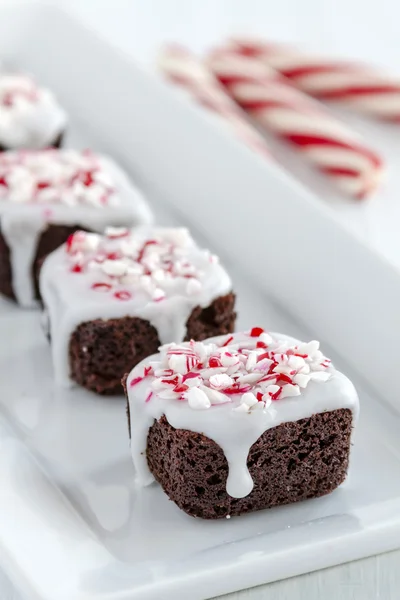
{"x":112,"y":300}
{"x":30,"y":116}
{"x":240,"y":423}
{"x":45,"y":196}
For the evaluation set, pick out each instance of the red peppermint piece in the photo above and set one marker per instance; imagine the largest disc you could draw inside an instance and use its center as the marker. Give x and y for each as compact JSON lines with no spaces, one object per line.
{"x":143,"y":249}
{"x":113,"y":255}
{"x":123,"y":295}
{"x":101,"y":287}
{"x":69,"y":242}
{"x":147,"y":371}
{"x":76,"y":268}
{"x":42,"y":185}
{"x":87,"y":178}
{"x":180,"y":388}
{"x":227,"y":341}
{"x":259,"y":396}
{"x":135,"y":381}
{"x":256,"y":332}
{"x":121,"y":232}
{"x":276,"y":395}
{"x":8,"y":99}
{"x":284,"y":378}
{"x":214,"y":362}
{"x":261,"y":345}
{"x":189,"y":375}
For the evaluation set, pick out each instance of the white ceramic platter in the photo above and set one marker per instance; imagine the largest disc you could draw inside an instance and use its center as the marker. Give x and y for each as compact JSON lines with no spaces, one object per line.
{"x":72,"y":524}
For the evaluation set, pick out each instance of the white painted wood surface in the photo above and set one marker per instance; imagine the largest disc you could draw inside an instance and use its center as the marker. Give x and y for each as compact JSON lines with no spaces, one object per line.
{"x":340,"y":28}
{"x":375,"y":578}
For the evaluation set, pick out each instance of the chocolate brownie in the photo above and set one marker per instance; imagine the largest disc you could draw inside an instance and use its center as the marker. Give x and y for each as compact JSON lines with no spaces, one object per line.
{"x":123,"y":295}
{"x":291,"y":462}
{"x":102,"y":351}
{"x":51,"y":238}
{"x":258,"y":420}
{"x":57,"y":143}
{"x":6,"y":287}
{"x":45,"y":196}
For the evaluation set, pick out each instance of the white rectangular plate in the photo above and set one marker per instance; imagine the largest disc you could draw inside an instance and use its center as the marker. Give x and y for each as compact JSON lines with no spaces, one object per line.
{"x":72,"y":524}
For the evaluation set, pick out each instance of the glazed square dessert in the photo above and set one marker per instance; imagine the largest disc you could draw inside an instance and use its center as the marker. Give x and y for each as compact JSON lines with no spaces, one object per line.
{"x":30,"y":116}
{"x":111,"y":301}
{"x":240,"y":423}
{"x":46,"y":195}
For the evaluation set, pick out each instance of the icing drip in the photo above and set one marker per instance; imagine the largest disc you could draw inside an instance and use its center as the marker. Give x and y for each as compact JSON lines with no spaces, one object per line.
{"x":232,"y":389}
{"x":64,"y":187}
{"x":158,"y":274}
{"x":30,"y":116}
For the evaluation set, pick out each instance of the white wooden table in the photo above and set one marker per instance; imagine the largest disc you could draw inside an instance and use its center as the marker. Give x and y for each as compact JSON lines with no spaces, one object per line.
{"x":376,"y":578}
{"x":341,"y":26}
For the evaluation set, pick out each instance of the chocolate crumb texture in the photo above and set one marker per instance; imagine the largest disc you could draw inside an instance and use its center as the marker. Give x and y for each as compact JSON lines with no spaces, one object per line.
{"x":291,"y":462}
{"x":50,"y":239}
{"x":101,"y":351}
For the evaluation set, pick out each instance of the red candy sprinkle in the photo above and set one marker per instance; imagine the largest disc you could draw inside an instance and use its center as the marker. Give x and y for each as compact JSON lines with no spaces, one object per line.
{"x":76,"y":268}
{"x":42,"y":185}
{"x":123,"y":295}
{"x":135,"y":381}
{"x":256,"y":332}
{"x":276,"y":395}
{"x":101,"y":287}
{"x":113,"y":255}
{"x":147,"y":371}
{"x":121,"y":233}
{"x":228,"y":341}
{"x":149,"y":396}
{"x":143,"y":249}
{"x":181,"y":387}
{"x":214,"y":362}
{"x":259,"y":396}
{"x":261,"y":345}
{"x":189,"y":375}
{"x":87,"y":178}
{"x":69,"y":242}
{"x":285,"y":378}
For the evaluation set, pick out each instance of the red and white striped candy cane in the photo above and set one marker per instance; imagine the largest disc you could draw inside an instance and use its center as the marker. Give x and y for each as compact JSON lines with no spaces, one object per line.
{"x":356,"y":86}
{"x":279,"y":107}
{"x":182,"y":68}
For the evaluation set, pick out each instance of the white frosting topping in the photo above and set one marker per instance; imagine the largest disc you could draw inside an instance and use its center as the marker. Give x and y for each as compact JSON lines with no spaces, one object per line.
{"x":232,"y":389}
{"x":61,"y":187}
{"x":30,"y":116}
{"x":158,"y":274}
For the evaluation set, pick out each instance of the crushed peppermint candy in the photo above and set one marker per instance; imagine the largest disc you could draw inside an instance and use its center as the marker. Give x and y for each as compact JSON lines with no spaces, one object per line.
{"x":18,"y":92}
{"x":237,"y":370}
{"x":69,"y":177}
{"x":158,"y":263}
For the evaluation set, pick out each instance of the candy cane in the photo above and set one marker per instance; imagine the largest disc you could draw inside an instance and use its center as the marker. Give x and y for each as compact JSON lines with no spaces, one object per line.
{"x":357,"y":86}
{"x":183,"y":69}
{"x":291,"y":115}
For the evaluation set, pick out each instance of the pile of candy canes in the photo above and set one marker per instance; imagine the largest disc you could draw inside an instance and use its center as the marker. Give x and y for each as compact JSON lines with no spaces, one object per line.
{"x":68,"y":177}
{"x":275,"y":86}
{"x":157,"y":265}
{"x":256,"y":367}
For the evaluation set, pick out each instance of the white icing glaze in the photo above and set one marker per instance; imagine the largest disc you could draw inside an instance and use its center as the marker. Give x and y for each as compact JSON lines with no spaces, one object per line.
{"x":26,"y":211}
{"x":161,"y":282}
{"x":237,"y":423}
{"x":30,"y":116}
